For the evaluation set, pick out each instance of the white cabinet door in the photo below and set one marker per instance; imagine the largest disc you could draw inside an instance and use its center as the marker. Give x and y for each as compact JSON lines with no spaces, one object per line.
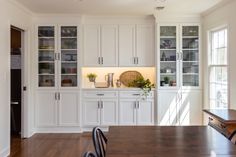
{"x":126,"y":45}
{"x":91,"y":45}
{"x":68,"y":109}
{"x":127,"y":112}
{"x":109,"y":45}
{"x":91,"y":112}
{"x":46,"y":108}
{"x":167,"y":107}
{"x":190,"y":110}
{"x":109,"y":112}
{"x":145,"y":45}
{"x":145,"y":112}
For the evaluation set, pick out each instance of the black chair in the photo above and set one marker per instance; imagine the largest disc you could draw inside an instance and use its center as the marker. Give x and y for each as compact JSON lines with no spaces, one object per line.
{"x":89,"y":154}
{"x":99,"y":141}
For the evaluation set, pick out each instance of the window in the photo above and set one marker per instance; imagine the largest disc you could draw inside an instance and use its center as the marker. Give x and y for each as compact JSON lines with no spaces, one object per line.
{"x":218,"y":69}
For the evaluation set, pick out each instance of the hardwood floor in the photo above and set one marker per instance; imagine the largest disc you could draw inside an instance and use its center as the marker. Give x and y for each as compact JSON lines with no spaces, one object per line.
{"x":52,"y":145}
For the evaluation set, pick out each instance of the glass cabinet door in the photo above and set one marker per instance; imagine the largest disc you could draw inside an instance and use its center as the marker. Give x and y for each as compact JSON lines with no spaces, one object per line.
{"x":69,"y":59}
{"x":190,"y":55}
{"x":46,"y":53}
{"x":168,"y":59}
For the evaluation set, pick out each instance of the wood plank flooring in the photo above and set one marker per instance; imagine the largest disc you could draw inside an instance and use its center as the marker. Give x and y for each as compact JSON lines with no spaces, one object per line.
{"x":52,"y":145}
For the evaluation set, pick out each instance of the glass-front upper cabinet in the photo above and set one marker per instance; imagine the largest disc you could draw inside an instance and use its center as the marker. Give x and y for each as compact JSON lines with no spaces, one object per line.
{"x":168,"y":56}
{"x":190,"y":56}
{"x":68,"y":48}
{"x":46,"y":54}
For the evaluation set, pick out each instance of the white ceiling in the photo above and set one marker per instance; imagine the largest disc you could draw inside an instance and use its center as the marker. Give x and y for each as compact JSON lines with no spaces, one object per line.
{"x":117,"y":7}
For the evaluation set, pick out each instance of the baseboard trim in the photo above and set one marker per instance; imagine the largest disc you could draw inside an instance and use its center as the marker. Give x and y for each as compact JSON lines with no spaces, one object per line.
{"x":5,"y":152}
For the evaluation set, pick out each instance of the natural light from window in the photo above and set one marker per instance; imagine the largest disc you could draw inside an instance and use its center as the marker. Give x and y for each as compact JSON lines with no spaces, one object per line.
{"x":218,"y":69}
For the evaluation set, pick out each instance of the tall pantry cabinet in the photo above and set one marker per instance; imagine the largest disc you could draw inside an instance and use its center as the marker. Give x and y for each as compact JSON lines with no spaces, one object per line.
{"x":57,"y":95}
{"x":179,"y":74}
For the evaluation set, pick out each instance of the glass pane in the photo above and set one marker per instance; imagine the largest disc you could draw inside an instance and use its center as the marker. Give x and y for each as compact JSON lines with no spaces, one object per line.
{"x":168,"y":56}
{"x":69,"y":80}
{"x":190,"y":30}
{"x":68,"y":43}
{"x":219,"y":48}
{"x":68,"y":31}
{"x":190,"y":43}
{"x":168,"y":43}
{"x":218,"y":87}
{"x":190,"y":55}
{"x":46,"y":65}
{"x":190,"y":68}
{"x":46,"y":68}
{"x":168,"y":30}
{"x":190,"y":80}
{"x":46,"y":31}
{"x":46,"y":81}
{"x":69,"y":56}
{"x":46,"y":56}
{"x":46,"y":43}
{"x":168,"y":73}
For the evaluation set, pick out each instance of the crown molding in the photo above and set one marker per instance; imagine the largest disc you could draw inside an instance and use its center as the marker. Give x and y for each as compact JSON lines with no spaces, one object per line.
{"x":217,"y":6}
{"x":21,"y":6}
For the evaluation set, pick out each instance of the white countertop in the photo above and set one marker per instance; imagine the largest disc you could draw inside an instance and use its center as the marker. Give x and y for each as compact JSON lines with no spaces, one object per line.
{"x":116,"y":89}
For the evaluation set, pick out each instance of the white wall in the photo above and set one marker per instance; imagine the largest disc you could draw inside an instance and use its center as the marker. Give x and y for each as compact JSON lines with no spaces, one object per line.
{"x":225,"y":15}
{"x":10,"y":14}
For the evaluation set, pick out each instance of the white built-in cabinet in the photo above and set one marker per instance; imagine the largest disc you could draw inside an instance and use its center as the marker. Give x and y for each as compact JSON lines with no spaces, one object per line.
{"x":119,"y":45}
{"x":57,"y":108}
{"x":100,"y":108}
{"x":100,"y":45}
{"x":136,"y":45}
{"x":177,"y":107}
{"x":106,"y":108}
{"x":57,"y":96}
{"x":134,"y":110}
{"x":179,"y":93}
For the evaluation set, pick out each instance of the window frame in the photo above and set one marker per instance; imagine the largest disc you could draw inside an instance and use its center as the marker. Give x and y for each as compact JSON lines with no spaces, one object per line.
{"x":211,"y":66}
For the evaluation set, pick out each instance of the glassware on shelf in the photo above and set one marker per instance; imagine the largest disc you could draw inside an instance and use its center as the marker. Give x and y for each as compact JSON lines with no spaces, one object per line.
{"x":69,"y":56}
{"x":190,"y":30}
{"x":46,"y":31}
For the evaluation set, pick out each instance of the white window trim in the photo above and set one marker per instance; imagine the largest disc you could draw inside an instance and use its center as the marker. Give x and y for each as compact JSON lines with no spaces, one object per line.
{"x":209,"y":66}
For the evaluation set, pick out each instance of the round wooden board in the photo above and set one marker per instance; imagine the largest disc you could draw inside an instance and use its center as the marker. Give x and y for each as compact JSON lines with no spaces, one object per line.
{"x":128,"y":77}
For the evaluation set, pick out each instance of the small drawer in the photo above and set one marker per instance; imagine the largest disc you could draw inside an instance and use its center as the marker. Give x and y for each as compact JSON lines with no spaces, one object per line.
{"x":134,"y":94}
{"x":100,"y":94}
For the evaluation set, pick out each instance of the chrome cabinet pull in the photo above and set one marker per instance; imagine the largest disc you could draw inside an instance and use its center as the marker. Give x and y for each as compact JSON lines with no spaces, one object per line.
{"x":98,"y":104}
{"x":98,"y":60}
{"x":102,"y":104}
{"x":138,"y":104}
{"x":55,"y":96}
{"x":100,"y":94}
{"x":137,"y":60}
{"x":136,"y":94}
{"x":59,"y":96}
{"x":102,"y":59}
{"x":59,"y":56}
{"x":135,"y":104}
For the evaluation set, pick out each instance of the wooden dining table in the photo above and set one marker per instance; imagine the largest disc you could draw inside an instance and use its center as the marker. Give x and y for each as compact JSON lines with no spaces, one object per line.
{"x":167,"y":141}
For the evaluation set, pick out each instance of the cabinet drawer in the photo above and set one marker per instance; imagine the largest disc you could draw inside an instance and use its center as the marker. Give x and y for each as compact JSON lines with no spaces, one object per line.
{"x":100,"y":94}
{"x":134,"y":94}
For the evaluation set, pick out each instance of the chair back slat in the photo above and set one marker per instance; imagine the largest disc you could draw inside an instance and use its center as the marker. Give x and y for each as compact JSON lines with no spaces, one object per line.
{"x":99,"y":141}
